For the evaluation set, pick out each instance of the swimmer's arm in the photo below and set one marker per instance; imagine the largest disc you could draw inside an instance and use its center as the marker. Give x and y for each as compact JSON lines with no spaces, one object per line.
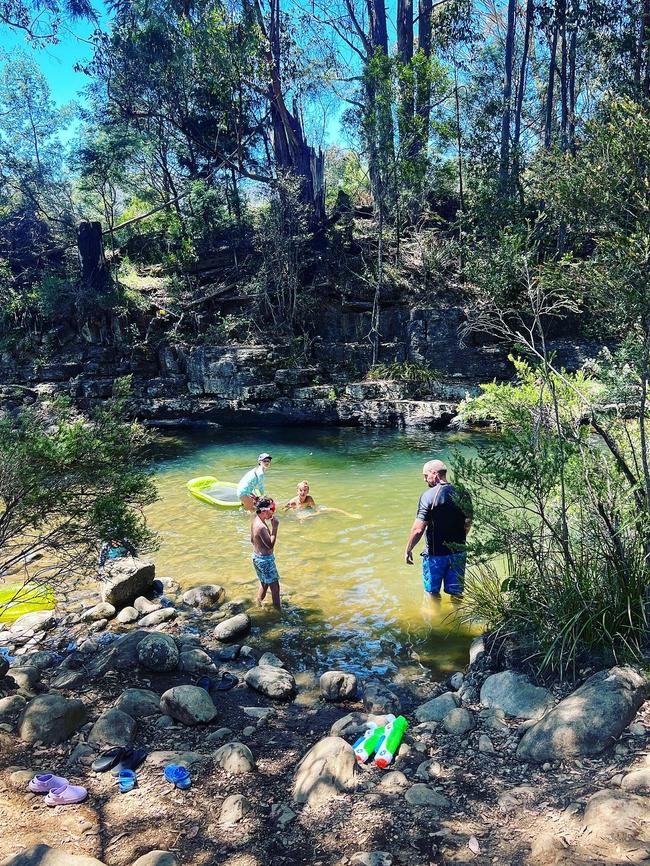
{"x":417,"y":531}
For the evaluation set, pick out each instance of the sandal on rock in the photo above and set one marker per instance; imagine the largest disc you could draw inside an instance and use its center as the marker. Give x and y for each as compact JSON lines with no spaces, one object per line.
{"x":107,"y":760}
{"x":43,"y":784}
{"x":65,"y":795}
{"x":126,"y":780}
{"x":178,"y":775}
{"x":227,"y":681}
{"x":131,"y":760}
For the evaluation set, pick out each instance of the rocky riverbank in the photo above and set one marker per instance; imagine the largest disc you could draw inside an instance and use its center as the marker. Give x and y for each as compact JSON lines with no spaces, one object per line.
{"x":493,"y":768}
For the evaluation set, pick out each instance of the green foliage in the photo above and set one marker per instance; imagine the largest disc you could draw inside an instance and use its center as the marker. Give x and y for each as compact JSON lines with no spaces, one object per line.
{"x":65,"y":481}
{"x":560,"y":542}
{"x":405,"y":371}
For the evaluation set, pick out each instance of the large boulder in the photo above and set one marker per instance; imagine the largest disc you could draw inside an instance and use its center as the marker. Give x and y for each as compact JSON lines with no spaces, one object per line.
{"x":616,"y":815}
{"x":338,"y":686}
{"x":138,"y":703}
{"x":112,"y":728}
{"x":121,"y":655}
{"x":158,"y":652}
{"x":25,"y":677}
{"x":235,"y":758}
{"x":125,"y":579}
{"x":273,"y":682}
{"x":156,"y":858}
{"x":10,"y":709}
{"x":43,"y":855}
{"x":51,"y":719}
{"x":206,"y":597}
{"x":378,"y":699}
{"x":588,"y":720}
{"x":437,"y":708}
{"x":328,"y":769}
{"x":190,"y":705}
{"x":233,"y":627}
{"x":516,"y":696}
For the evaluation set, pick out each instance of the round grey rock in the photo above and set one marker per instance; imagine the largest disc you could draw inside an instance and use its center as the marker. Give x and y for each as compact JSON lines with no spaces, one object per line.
{"x":195,"y":661}
{"x":158,"y":652}
{"x":144,"y":606}
{"x":458,"y":721}
{"x":516,"y":695}
{"x":233,"y":809}
{"x":270,"y":660}
{"x":436,"y":709}
{"x":190,"y":705}
{"x":233,"y":627}
{"x":329,"y":768}
{"x":103,"y":610}
{"x":273,"y":682}
{"x":379,"y":699}
{"x":51,"y":719}
{"x":394,"y":782}
{"x":423,"y":795}
{"x":127,"y":615}
{"x":112,"y":728}
{"x":338,"y":686}
{"x":207,"y":596}
{"x":158,"y":617}
{"x":235,"y":758}
{"x":26,"y":677}
{"x":10,"y":709}
{"x":156,"y":858}
{"x":138,"y":703}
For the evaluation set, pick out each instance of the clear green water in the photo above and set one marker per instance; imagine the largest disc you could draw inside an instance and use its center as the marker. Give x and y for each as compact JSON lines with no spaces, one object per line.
{"x":349,"y":598}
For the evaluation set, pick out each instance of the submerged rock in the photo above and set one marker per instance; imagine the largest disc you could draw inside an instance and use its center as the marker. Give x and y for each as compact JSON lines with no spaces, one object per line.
{"x":516,"y":695}
{"x":328,"y":769}
{"x":588,"y":720}
{"x":273,"y":682}
{"x":158,"y":617}
{"x":190,"y":705}
{"x":51,"y":719}
{"x":338,"y":686}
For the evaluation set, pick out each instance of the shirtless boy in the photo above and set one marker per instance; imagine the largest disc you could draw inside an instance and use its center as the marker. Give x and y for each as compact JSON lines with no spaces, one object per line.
{"x":264,"y":534}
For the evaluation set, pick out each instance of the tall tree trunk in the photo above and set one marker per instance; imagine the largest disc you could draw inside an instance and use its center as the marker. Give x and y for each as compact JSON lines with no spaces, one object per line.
{"x":461,"y":186}
{"x":645,"y":37}
{"x":379,"y":132}
{"x":564,"y":89}
{"x":572,"y":85}
{"x":423,"y":81}
{"x":504,"y":160}
{"x":550,"y":90}
{"x":521,"y":89}
{"x":405,"y":55}
{"x":291,"y":152}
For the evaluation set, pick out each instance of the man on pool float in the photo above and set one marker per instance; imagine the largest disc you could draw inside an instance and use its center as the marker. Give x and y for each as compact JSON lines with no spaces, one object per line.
{"x":444,"y":519}
{"x":251,"y":486}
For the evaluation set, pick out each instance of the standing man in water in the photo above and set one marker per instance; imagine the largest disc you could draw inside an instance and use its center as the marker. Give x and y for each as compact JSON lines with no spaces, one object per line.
{"x":444,"y":521}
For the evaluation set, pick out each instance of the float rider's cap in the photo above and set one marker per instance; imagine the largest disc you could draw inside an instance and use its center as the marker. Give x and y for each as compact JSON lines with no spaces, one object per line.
{"x":435,"y":466}
{"x":264,"y":456}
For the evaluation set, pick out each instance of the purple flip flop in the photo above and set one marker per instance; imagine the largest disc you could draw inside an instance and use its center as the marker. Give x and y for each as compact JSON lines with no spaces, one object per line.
{"x":43,"y":784}
{"x":65,"y":795}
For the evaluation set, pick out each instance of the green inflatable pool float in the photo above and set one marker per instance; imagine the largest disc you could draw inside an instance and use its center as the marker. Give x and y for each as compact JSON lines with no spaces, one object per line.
{"x":208,"y":489}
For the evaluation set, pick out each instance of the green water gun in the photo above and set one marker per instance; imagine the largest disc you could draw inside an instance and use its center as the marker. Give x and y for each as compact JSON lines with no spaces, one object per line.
{"x":369,"y":742}
{"x":393,"y":733}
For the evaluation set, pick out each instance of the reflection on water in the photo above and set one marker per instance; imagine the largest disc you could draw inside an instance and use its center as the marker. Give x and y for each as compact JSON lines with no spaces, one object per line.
{"x":350,"y":599}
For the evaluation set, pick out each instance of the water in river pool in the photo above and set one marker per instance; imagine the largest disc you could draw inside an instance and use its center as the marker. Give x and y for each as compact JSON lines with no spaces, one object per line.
{"x":350,"y":601}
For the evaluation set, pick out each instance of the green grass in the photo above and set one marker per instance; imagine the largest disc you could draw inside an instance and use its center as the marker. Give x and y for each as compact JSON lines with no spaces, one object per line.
{"x":15,"y":600}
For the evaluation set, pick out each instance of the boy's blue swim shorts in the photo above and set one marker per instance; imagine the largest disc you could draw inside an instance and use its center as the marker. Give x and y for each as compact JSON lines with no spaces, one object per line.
{"x":265,"y":568}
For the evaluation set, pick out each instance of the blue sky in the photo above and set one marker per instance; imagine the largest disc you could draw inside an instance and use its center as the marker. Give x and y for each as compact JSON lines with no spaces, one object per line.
{"x":56,"y":61}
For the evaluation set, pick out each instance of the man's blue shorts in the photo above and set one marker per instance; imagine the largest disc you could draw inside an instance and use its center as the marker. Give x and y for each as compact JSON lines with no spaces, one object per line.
{"x":450,"y":569}
{"x":265,"y":568}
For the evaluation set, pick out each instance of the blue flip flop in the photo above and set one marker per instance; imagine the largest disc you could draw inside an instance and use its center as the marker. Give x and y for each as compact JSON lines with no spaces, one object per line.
{"x":178,"y":775}
{"x":126,"y":781}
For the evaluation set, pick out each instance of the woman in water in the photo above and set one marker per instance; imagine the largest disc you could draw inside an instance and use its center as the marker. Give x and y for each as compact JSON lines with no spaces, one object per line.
{"x":251,"y":486}
{"x":304,"y":501}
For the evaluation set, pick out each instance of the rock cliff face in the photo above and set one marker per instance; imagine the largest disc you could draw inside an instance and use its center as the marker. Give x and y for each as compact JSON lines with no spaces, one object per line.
{"x":236,"y":384}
